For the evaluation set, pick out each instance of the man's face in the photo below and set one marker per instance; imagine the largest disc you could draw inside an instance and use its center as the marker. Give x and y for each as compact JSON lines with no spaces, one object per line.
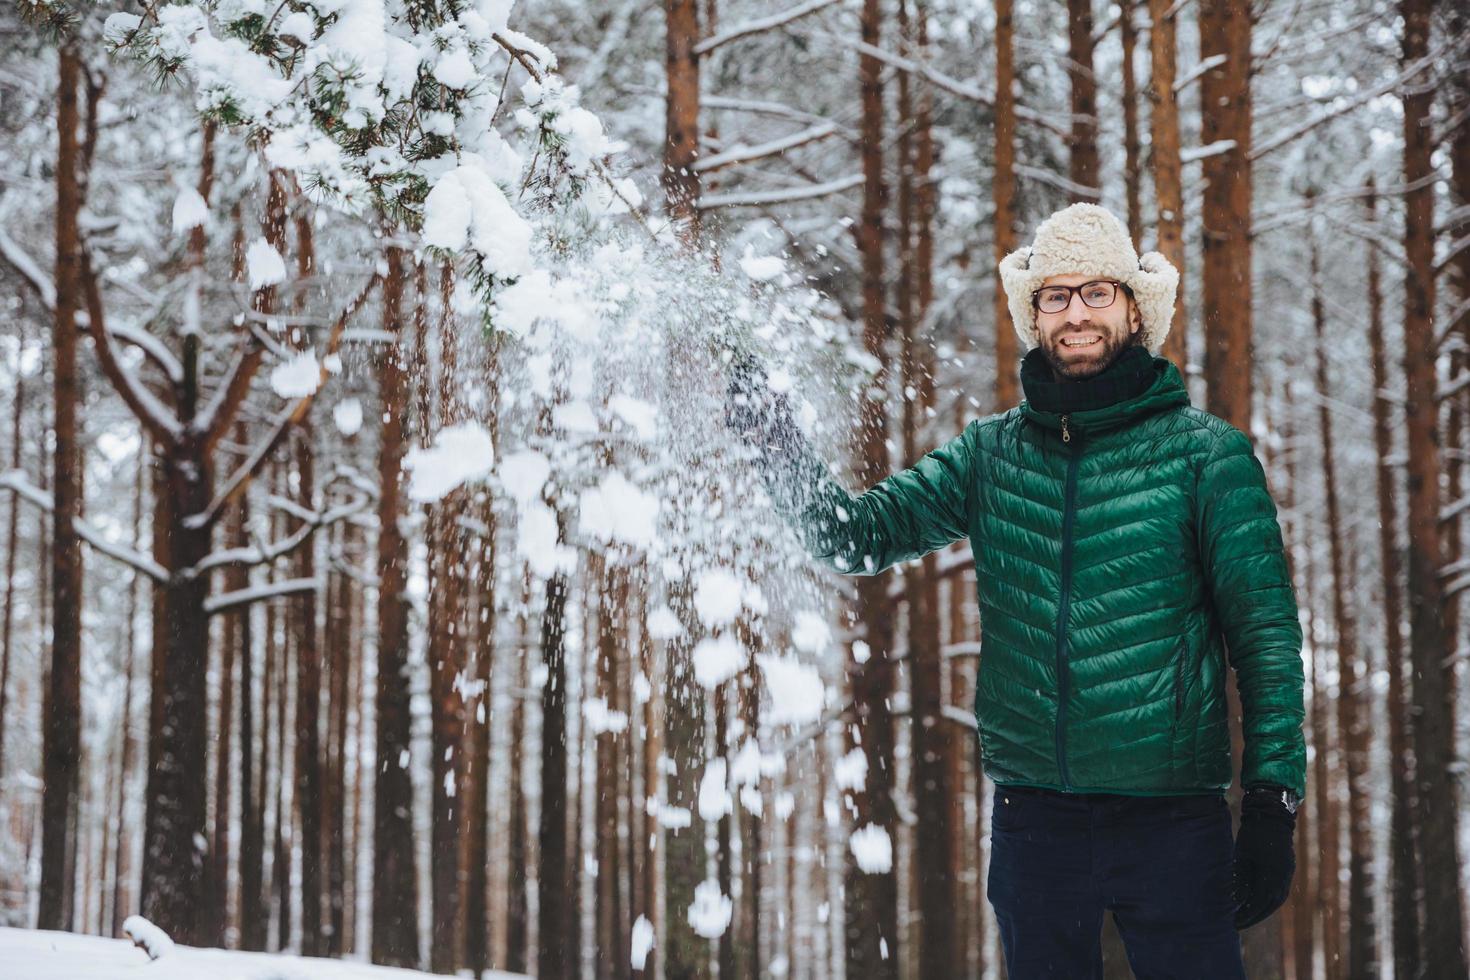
{"x":1080,"y":340}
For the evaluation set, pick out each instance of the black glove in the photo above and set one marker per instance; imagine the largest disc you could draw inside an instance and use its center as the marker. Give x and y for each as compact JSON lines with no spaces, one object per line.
{"x":760,"y":416}
{"x":1264,"y":856}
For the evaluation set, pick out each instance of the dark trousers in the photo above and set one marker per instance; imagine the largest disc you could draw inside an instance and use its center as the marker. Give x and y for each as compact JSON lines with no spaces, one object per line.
{"x":1160,"y":864}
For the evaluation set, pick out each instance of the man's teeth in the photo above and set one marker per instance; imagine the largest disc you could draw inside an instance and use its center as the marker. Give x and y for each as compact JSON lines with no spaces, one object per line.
{"x":1080,"y":341}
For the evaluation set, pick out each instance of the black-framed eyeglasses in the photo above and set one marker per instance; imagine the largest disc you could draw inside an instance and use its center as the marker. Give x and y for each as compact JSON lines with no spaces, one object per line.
{"x":1098,"y":294}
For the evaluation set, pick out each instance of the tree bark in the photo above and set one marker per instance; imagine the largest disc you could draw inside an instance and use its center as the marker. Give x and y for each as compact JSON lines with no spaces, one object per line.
{"x":12,"y":539}
{"x":934,"y":858}
{"x":395,"y":885}
{"x":62,"y":724}
{"x":1168,"y":179}
{"x":681,"y":120}
{"x":1083,"y":141}
{"x":1361,"y":947}
{"x":1003,"y":192}
{"x":871,"y":907}
{"x":1131,"y":175}
{"x":1402,"y":832}
{"x":1433,"y":680}
{"x":447,"y":554}
{"x":554,"y":959}
{"x":686,"y":955}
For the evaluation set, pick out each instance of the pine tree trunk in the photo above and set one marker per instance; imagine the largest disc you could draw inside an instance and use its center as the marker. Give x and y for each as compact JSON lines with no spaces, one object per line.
{"x":1003,"y":192}
{"x":395,"y":884}
{"x":12,"y":539}
{"x":613,"y":954}
{"x":309,"y":782}
{"x":447,"y":555}
{"x":1361,"y":948}
{"x":934,"y":858}
{"x":1225,"y":29}
{"x":127,"y":744}
{"x":871,"y":905}
{"x":337,"y":638}
{"x":1433,"y":679}
{"x":517,"y":913}
{"x":480,"y":717}
{"x":1083,"y":141}
{"x":1402,"y":862}
{"x":686,"y":955}
{"x":61,"y":725}
{"x":749,"y":924}
{"x":556,"y":958}
{"x":681,"y":121}
{"x":1131,"y":170}
{"x":1168,"y":179}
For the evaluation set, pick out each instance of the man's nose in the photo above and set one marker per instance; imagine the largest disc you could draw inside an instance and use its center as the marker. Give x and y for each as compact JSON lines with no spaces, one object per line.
{"x":1082,"y":308}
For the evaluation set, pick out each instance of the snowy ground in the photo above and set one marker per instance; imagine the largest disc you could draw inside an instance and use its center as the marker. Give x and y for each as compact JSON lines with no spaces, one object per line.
{"x":28,"y":954}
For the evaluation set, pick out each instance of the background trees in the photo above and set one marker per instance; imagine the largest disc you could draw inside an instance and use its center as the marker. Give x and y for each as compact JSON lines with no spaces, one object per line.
{"x":240,"y":341}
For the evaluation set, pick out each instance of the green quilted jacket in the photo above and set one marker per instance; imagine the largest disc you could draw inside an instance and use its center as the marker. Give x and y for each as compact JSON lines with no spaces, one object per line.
{"x":1119,"y":553}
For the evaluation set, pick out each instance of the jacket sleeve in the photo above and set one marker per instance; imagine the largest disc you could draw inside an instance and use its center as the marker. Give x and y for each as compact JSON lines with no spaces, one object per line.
{"x":1246,"y":571}
{"x":905,"y":516}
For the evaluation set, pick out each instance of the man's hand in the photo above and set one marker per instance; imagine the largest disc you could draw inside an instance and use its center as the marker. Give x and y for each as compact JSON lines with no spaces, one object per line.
{"x":1264,"y":855}
{"x":760,"y":416}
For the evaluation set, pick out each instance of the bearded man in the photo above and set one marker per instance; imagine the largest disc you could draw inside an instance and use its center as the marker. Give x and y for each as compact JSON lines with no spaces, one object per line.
{"x":1126,"y":552}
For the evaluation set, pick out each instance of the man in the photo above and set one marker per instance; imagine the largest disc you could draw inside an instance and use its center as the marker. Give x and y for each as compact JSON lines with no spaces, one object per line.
{"x":1124,"y":544}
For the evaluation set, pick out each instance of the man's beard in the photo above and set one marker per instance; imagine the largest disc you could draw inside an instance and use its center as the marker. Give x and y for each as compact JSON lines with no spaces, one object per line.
{"x":1078,"y":369}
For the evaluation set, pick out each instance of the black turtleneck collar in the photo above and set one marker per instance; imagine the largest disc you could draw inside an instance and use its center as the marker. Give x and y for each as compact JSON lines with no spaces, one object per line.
{"x":1130,"y":375}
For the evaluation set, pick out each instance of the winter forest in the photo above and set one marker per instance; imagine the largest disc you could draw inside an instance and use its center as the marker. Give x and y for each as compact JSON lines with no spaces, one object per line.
{"x":380,"y":583}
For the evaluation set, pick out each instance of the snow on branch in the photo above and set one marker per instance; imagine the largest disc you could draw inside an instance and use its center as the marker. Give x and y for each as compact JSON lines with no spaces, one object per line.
{"x":284,"y":421}
{"x":21,"y":261}
{"x":262,"y":554}
{"x":758,"y":198}
{"x":1293,"y":133}
{"x":759,"y":24}
{"x":1198,"y":71}
{"x":1053,"y":121}
{"x":16,"y":482}
{"x":744,"y":154}
{"x":226,"y":601}
{"x":1192,"y":153}
{"x":1055,"y":180}
{"x":153,"y":414}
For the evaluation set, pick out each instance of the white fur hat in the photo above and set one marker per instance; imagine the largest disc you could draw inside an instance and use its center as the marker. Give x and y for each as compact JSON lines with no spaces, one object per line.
{"x":1088,"y":240}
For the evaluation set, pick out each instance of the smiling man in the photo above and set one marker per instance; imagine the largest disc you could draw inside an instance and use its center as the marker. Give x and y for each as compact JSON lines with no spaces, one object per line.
{"x":1127,"y":555}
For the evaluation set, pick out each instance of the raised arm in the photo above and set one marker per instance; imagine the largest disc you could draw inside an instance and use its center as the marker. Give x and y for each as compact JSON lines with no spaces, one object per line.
{"x":905,"y":516}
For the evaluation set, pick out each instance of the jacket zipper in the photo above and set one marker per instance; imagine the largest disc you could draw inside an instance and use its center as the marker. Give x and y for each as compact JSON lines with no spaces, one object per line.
{"x":1069,"y":507}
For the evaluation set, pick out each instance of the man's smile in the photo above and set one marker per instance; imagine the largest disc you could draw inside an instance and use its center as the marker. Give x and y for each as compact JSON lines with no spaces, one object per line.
{"x":1082,"y":340}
